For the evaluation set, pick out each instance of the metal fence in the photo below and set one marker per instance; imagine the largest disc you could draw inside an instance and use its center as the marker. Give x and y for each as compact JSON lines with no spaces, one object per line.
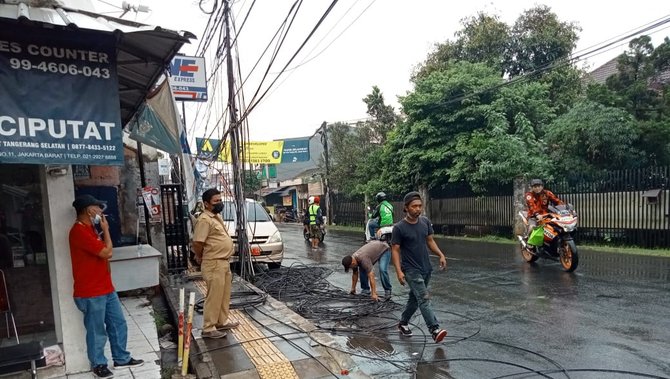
{"x":175,"y":223}
{"x":625,"y":207}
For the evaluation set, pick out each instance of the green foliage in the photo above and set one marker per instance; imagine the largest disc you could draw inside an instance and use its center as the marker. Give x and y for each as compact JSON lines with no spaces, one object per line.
{"x":484,"y":139}
{"x":383,"y":116}
{"x":538,"y":39}
{"x":639,"y":89}
{"x":592,"y":136}
{"x":465,"y":122}
{"x":252,"y":183}
{"x":356,"y":151}
{"x":483,"y":39}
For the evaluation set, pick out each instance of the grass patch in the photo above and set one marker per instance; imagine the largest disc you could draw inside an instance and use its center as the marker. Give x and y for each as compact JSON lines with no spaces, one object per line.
{"x":345,"y":228}
{"x":159,"y":320}
{"x":631,"y":250}
{"x":166,"y":372}
{"x":494,"y":239}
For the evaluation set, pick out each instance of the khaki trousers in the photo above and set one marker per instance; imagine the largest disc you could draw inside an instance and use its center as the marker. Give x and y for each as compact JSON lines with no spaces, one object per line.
{"x":219,"y":280}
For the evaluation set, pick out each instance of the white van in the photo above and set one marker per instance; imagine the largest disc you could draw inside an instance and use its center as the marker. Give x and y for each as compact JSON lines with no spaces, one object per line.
{"x":264,"y":237}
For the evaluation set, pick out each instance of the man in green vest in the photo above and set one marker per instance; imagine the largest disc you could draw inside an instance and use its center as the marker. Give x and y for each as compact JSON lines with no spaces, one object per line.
{"x":315,"y":221}
{"x":382,"y":215}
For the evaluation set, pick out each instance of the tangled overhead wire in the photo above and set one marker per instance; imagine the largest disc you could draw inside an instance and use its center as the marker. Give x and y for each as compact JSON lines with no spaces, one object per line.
{"x":306,"y":291}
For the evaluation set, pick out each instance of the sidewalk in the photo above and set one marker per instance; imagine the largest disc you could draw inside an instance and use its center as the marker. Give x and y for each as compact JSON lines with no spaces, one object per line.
{"x":142,"y":344}
{"x":272,"y":341}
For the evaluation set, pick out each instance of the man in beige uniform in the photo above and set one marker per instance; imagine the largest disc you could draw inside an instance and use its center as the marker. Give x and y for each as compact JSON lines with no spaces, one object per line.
{"x":213,"y":247}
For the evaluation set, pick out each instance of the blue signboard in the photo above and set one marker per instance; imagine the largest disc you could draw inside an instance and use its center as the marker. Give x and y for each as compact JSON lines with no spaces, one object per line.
{"x":207,"y":147}
{"x":60,"y":98}
{"x":188,"y":78}
{"x":295,"y":151}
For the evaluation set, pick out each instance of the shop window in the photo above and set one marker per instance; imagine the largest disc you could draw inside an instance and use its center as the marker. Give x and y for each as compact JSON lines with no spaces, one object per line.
{"x":23,"y":254}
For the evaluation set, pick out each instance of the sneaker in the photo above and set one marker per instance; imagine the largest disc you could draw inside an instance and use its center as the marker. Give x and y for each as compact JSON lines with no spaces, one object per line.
{"x":101,"y":371}
{"x":365,"y":292}
{"x":131,"y":363}
{"x":438,"y":335}
{"x":404,"y":330}
{"x":213,"y":334}
{"x":387,"y":294}
{"x":228,"y":325}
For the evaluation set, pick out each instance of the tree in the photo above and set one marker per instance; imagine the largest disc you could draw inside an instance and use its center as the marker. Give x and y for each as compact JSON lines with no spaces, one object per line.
{"x":483,"y":39}
{"x":536,"y":45}
{"x":383,"y":116}
{"x":252,"y":183}
{"x":356,"y":151}
{"x":593,"y":137}
{"x":538,"y":39}
{"x":640,"y":89}
{"x":457,"y":128}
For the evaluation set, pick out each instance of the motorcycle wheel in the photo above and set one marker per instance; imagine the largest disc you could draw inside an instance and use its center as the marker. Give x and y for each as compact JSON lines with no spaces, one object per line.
{"x":305,"y":234}
{"x":528,"y":256}
{"x":569,"y":256}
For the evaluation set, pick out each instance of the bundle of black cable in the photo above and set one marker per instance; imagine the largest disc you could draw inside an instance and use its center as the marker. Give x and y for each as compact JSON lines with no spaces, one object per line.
{"x":306,"y":291}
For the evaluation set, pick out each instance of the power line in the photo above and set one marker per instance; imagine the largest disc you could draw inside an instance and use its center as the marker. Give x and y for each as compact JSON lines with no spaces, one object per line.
{"x":323,"y":17}
{"x":558,"y":63}
{"x":307,"y":60}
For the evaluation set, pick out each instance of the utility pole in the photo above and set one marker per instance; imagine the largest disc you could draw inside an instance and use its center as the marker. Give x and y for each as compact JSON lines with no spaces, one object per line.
{"x":237,"y":167}
{"x":324,"y":140}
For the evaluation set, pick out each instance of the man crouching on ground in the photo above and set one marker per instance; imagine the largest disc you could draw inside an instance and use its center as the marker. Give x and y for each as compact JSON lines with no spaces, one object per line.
{"x":363,"y":259}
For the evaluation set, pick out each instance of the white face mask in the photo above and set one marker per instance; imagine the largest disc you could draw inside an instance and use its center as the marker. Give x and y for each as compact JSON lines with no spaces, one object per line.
{"x":96,"y":219}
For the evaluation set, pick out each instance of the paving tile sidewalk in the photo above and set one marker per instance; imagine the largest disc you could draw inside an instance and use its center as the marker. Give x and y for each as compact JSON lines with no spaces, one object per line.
{"x":142,"y":344}
{"x":272,"y":341}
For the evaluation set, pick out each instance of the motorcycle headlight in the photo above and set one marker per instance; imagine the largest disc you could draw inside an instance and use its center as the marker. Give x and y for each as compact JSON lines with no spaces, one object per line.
{"x":275,"y":237}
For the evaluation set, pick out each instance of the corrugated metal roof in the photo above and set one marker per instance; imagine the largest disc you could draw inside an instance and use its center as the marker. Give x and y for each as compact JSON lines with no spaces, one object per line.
{"x":143,"y":51}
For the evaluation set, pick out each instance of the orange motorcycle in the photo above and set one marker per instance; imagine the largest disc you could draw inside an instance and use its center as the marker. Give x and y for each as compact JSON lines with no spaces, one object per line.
{"x":553,"y":238}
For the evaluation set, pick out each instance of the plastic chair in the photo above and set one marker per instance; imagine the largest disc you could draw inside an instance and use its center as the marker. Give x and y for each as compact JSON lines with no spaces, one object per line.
{"x":5,"y":306}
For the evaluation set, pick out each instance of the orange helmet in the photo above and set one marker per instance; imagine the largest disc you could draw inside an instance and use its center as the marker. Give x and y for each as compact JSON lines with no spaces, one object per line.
{"x":317,"y":200}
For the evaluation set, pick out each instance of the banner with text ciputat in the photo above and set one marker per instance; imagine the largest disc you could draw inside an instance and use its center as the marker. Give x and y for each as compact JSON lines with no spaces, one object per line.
{"x":60,"y":98}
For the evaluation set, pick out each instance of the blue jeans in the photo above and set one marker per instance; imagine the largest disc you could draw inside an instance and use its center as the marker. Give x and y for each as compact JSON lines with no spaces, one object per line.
{"x":419,"y":297}
{"x":103,"y":318}
{"x":384,"y":261}
{"x":373,"y":226}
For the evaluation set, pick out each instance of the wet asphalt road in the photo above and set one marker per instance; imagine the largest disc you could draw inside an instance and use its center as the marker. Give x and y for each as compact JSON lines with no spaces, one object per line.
{"x":506,"y":318}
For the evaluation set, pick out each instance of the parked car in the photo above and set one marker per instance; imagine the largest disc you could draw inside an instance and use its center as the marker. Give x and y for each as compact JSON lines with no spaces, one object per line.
{"x":264,"y":237}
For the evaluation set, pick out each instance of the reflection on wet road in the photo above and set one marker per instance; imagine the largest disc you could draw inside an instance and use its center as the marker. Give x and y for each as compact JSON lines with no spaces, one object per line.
{"x":506,"y":318}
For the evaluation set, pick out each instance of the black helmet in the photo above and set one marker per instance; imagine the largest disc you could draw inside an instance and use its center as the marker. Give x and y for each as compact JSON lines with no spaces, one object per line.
{"x":536,"y":182}
{"x":381,"y":196}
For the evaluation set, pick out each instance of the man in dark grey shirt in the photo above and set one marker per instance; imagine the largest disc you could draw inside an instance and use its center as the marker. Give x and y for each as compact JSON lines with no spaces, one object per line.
{"x":411,"y":240}
{"x":362,"y":260}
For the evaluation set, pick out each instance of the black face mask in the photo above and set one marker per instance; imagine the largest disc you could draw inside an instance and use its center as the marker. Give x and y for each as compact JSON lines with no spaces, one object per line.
{"x":217,"y":208}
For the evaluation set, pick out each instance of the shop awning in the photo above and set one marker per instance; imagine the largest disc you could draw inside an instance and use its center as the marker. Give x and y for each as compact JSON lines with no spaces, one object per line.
{"x":287,"y":191}
{"x":143,"y":51}
{"x":270,"y":191}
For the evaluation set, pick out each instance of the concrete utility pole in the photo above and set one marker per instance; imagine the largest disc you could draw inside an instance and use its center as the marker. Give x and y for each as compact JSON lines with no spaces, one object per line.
{"x":324,"y":140}
{"x":246,"y":268}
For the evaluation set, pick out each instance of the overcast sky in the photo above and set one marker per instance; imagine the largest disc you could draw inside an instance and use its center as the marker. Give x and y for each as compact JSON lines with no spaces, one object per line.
{"x":381,"y":48}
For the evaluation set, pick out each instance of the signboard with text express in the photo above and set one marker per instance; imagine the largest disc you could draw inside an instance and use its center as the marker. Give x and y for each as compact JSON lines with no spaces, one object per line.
{"x":60,"y":99}
{"x":188,"y":78}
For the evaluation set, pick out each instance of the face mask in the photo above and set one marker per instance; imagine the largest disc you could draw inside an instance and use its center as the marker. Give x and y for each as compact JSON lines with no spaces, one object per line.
{"x":217,"y":208}
{"x":96,"y":219}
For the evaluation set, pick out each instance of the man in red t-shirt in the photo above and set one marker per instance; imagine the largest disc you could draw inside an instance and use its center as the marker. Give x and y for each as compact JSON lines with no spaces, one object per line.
{"x":94,"y":292}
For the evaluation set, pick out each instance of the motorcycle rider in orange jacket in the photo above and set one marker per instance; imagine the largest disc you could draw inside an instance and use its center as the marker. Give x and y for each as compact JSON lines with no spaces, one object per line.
{"x":537,"y":201}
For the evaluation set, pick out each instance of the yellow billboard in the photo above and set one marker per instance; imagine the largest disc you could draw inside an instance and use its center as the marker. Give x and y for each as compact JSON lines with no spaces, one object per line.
{"x":257,"y":152}
{"x":268,"y":152}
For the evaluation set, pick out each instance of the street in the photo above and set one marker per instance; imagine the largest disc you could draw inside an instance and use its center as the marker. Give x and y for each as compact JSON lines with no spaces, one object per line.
{"x":506,"y":318}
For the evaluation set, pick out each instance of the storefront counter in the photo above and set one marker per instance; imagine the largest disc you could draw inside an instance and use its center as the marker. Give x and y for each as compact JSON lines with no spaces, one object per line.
{"x":135,"y":267}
